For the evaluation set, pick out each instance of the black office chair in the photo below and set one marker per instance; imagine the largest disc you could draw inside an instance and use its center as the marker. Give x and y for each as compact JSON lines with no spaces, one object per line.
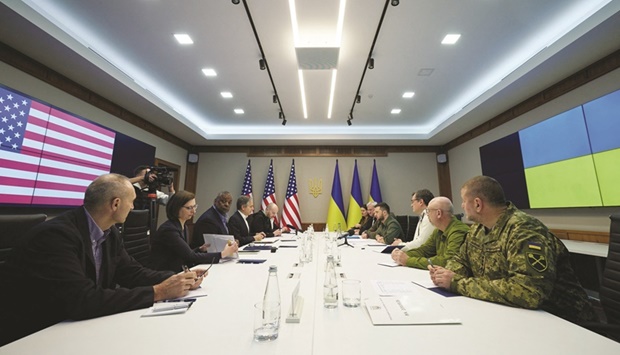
{"x":404,"y":225}
{"x":459,"y":216}
{"x":610,"y":286}
{"x":12,"y":227}
{"x":135,"y":233}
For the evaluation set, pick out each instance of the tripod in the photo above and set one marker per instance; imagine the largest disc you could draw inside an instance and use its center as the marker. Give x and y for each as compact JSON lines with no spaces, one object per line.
{"x":346,"y":240}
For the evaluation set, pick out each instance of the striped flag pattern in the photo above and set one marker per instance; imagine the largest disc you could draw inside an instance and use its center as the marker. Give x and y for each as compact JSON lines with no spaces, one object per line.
{"x":290,"y":213}
{"x":247,"y":182}
{"x":47,"y":156}
{"x":335,"y":211}
{"x":269,"y":195}
{"x":354,"y":213}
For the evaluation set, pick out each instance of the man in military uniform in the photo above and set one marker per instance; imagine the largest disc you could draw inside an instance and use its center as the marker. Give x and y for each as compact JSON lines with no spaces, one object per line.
{"x":444,"y":242}
{"x":386,"y":229}
{"x":511,"y":258}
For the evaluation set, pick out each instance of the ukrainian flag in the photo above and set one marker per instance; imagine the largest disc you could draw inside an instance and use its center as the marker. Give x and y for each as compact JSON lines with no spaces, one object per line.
{"x":354,"y":214}
{"x":375,"y":189}
{"x":335,"y":211}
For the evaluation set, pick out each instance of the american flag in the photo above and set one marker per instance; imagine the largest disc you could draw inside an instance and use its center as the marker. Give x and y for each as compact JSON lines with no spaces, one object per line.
{"x":247,"y":182}
{"x":290,"y":213}
{"x":48,"y":157}
{"x":269,"y":196}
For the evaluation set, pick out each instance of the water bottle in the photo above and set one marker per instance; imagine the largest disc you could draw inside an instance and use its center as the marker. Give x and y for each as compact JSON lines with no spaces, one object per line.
{"x":271,"y":307}
{"x":330,"y":286}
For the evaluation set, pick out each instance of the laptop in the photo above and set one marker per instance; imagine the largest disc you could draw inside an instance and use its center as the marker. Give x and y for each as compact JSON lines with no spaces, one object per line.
{"x":217,"y":243}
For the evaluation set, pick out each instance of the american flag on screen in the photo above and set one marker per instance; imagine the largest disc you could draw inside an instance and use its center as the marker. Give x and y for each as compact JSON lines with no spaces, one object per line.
{"x":269,"y":196}
{"x":290,"y":213}
{"x":48,"y":157}
{"x":247,"y":182}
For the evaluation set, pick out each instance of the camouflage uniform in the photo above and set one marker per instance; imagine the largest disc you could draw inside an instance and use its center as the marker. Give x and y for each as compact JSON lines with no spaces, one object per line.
{"x":521,"y":264}
{"x":389,"y":229}
{"x":440,"y":246}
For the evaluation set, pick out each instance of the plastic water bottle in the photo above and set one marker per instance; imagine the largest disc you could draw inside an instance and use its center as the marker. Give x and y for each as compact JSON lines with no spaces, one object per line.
{"x":330,"y":285}
{"x":271,"y":307}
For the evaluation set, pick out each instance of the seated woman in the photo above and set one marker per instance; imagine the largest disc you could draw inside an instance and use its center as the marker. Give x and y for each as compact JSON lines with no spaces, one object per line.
{"x":169,"y":247}
{"x":365,"y":222}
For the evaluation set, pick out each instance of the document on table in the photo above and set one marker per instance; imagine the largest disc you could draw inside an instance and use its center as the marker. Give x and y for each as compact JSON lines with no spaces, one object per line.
{"x":199,"y":292}
{"x":392,"y":287}
{"x":405,"y":309}
{"x":389,"y":263}
{"x":165,"y":308}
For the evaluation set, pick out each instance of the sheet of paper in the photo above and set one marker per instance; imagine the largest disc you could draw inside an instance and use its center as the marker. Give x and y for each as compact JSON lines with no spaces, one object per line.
{"x":389,"y":263}
{"x":165,"y":308}
{"x":392,"y":287}
{"x":425,"y":283}
{"x":405,"y":309}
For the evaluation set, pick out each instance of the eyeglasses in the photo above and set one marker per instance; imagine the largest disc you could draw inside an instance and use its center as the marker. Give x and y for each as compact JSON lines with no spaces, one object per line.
{"x":191,"y":208}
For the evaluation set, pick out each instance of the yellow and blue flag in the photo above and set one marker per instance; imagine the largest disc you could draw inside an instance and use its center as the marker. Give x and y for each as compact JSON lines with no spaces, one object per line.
{"x":335,"y":211}
{"x":375,"y":189}
{"x":354,"y":214}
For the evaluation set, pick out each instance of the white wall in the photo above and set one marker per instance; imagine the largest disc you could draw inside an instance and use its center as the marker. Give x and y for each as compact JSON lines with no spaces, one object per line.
{"x":465,"y":159}
{"x":400,"y":174}
{"x":15,"y":79}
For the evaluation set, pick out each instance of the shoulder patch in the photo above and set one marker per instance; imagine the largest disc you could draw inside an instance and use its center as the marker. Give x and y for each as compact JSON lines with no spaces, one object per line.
{"x":537,"y":261}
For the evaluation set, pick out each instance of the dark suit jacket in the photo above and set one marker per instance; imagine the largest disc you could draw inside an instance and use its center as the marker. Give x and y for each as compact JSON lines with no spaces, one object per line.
{"x":260,"y":223}
{"x":170,"y":251}
{"x":208,"y":223}
{"x":237,"y":227}
{"x":51,"y":277}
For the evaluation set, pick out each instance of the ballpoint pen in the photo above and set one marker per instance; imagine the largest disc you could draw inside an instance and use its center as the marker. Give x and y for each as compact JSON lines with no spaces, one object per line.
{"x":430,"y":263}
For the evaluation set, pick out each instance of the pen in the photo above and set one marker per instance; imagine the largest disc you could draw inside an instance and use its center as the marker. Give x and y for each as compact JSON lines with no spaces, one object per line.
{"x":430,"y":263}
{"x":181,"y":300}
{"x":185,"y":268}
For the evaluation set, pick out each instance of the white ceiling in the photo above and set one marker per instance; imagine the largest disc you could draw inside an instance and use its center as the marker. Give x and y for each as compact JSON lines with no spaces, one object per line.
{"x":125,"y":51}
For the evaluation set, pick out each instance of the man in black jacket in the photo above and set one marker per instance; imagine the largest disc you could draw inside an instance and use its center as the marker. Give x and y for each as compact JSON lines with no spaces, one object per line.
{"x":212,"y":221}
{"x":69,"y":267}
{"x":262,"y":221}
{"x":239,"y":222}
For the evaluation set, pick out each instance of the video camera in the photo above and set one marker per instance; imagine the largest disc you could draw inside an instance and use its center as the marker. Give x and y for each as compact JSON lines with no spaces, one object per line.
{"x":163,"y":176}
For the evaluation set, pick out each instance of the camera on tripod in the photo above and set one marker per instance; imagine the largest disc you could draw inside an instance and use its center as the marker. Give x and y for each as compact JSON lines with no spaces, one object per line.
{"x":162,"y":176}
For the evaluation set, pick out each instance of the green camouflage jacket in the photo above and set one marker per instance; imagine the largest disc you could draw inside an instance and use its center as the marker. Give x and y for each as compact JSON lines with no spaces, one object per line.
{"x":440,"y":246}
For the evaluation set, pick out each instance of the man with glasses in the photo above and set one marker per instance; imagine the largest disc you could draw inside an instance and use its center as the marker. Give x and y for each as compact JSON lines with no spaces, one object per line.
{"x":239,"y":222}
{"x":212,"y":221}
{"x":419,"y":202}
{"x":511,"y":258}
{"x":443,"y":243}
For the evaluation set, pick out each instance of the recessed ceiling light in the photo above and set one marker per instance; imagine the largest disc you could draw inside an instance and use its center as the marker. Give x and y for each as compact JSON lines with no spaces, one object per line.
{"x":226,"y":94}
{"x":395,"y":111}
{"x":239,"y":111}
{"x":408,"y":94}
{"x":209,"y":72}
{"x":451,"y":38}
{"x":183,"y":38}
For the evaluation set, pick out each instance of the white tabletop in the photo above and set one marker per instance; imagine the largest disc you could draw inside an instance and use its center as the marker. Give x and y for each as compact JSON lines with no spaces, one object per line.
{"x":586,"y":248}
{"x":222,"y":321}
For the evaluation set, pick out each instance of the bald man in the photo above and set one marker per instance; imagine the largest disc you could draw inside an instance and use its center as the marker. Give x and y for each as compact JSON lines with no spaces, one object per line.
{"x":443,"y":243}
{"x":262,"y":222}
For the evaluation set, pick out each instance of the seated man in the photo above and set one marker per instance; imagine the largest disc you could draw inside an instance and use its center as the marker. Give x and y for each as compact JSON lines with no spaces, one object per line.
{"x":239,"y":225}
{"x":212,"y":221}
{"x":262,"y":221}
{"x":511,"y":258}
{"x":387,"y":229}
{"x":142,"y":182}
{"x":419,"y":202}
{"x":75,"y":267}
{"x":444,"y":242}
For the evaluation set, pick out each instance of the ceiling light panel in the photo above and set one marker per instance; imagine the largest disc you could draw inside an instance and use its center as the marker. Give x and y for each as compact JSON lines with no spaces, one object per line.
{"x":408,"y":94}
{"x":239,"y":111}
{"x":183,"y":38}
{"x":395,"y":111}
{"x":451,"y":38}
{"x":226,"y":94}
{"x":209,"y":72}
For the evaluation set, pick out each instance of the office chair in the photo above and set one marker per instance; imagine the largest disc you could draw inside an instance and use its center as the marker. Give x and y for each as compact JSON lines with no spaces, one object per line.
{"x":12,"y":227}
{"x":610,"y":286}
{"x":135,"y":234}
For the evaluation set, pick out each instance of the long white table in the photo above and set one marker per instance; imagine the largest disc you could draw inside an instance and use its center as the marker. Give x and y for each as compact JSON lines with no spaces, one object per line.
{"x":223,"y":321}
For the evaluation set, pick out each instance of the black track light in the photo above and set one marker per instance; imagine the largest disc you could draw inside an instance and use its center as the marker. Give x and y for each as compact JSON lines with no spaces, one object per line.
{"x":371,"y":63}
{"x":358,"y":99}
{"x":349,"y":122}
{"x":275,"y":99}
{"x":281,"y":115}
{"x":236,"y":2}
{"x":394,"y":2}
{"x":261,"y":64}
{"x":284,"y":122}
{"x":350,"y":116}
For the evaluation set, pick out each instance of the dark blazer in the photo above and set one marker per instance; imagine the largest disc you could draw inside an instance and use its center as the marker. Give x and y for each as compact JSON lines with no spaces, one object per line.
{"x":237,"y":227}
{"x":260,"y":223}
{"x":170,"y":251}
{"x":51,"y":277}
{"x":208,"y":223}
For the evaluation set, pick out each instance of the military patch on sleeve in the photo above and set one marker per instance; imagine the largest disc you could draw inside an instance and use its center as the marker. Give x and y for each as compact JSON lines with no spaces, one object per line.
{"x":534,"y":246}
{"x":537,"y":261}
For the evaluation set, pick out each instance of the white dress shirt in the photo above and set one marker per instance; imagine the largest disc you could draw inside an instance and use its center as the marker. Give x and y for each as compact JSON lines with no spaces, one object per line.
{"x":422,"y":232}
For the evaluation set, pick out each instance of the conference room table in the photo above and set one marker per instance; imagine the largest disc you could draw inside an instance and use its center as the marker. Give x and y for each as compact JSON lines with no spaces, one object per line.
{"x":222,"y":321}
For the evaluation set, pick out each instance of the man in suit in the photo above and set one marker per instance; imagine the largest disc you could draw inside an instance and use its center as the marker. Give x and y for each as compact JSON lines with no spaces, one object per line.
{"x":239,"y":225}
{"x":213,"y":221}
{"x":262,"y":221}
{"x":75,"y":267}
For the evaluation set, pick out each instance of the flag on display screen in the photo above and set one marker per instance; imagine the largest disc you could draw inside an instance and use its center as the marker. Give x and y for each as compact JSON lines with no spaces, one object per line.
{"x":48,"y":157}
{"x":354,"y":213}
{"x":290,"y":213}
{"x":246,"y":190}
{"x":269,"y":195}
{"x":335,"y":211}
{"x":375,"y":189}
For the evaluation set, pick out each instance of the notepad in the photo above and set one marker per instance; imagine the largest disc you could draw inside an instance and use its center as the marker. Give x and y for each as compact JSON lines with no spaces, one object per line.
{"x":166,"y":308}
{"x":251,"y":261}
{"x":257,"y":247}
